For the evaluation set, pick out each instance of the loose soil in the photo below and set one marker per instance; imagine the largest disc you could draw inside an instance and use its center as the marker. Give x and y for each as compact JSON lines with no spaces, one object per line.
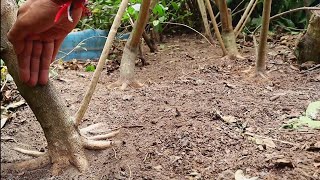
{"x":172,"y":127}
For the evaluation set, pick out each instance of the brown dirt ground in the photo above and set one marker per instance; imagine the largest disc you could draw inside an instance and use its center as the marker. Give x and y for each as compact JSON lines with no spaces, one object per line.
{"x":172,"y":129}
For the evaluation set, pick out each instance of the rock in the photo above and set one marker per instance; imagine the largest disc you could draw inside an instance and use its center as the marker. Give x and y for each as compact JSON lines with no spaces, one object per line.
{"x":127,"y":97}
{"x":158,"y":168}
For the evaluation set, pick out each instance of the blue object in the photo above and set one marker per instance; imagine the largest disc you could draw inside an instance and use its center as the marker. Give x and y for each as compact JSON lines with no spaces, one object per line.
{"x":86,"y":44}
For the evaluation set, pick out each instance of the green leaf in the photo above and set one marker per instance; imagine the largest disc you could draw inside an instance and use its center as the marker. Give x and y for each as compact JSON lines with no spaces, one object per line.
{"x":155,"y":22}
{"x":90,"y":68}
{"x":311,"y":119}
{"x":300,"y":122}
{"x":313,"y":110}
{"x":162,"y":19}
{"x":175,"y":6}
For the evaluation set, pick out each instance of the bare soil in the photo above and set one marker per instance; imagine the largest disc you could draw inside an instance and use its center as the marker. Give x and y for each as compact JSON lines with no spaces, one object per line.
{"x":172,"y":127}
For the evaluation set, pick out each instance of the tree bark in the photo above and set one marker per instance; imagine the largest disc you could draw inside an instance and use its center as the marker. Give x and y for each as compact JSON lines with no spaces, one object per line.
{"x":262,"y":49}
{"x":130,"y":51}
{"x":204,"y":16}
{"x":228,"y":35}
{"x":64,"y":142}
{"x":215,"y":27}
{"x":307,"y":48}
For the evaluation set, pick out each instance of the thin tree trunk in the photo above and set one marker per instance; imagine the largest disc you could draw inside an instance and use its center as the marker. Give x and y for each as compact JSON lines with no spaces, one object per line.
{"x":228,"y":35}
{"x":215,"y":26}
{"x":130,"y":51}
{"x":245,"y":17}
{"x":102,"y":60}
{"x":262,"y":49}
{"x":204,"y":16}
{"x":65,"y":143}
{"x":307,"y":48}
{"x":150,"y":42}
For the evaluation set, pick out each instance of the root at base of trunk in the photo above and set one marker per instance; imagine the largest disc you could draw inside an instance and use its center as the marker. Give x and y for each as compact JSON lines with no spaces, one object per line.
{"x":231,"y":45}
{"x":255,"y":75}
{"x":60,"y":162}
{"x":127,"y":70}
{"x":124,"y":84}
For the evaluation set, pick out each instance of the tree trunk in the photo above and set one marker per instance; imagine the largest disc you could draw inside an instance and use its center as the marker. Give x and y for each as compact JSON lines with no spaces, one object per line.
{"x":204,"y":16}
{"x":262,"y":49}
{"x":65,"y":144}
{"x":307,"y":48}
{"x":215,"y":27}
{"x":228,"y":35}
{"x":130,"y":51}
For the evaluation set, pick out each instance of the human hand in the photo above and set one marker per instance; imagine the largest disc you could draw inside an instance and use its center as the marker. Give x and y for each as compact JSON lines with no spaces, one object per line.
{"x":36,"y":38}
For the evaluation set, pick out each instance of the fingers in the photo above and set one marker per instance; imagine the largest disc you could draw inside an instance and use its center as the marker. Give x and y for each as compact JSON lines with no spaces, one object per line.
{"x":24,"y":61}
{"x":46,"y":56}
{"x":35,"y":63}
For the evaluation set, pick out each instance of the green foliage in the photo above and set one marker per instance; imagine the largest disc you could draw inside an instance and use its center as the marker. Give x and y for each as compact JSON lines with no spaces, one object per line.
{"x":4,"y":71}
{"x":186,"y":12}
{"x":104,"y":11}
{"x":90,"y":68}
{"x":292,"y":22}
{"x":311,"y":119}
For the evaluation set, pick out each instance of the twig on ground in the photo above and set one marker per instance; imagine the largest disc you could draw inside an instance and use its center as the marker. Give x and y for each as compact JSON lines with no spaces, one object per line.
{"x":145,"y":157}
{"x":4,"y":84}
{"x":132,"y":126}
{"x":130,"y":173}
{"x":284,"y":142}
{"x":115,"y":154}
{"x":311,"y":69}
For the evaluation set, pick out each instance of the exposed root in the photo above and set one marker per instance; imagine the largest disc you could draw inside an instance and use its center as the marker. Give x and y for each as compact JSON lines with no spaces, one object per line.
{"x":92,"y":128}
{"x":251,"y":73}
{"x":29,"y":152}
{"x":80,"y":162}
{"x":104,"y":136}
{"x":26,"y":165}
{"x":61,"y":162}
{"x":262,"y":75}
{"x":123,"y":85}
{"x":98,"y":145}
{"x":236,"y":56}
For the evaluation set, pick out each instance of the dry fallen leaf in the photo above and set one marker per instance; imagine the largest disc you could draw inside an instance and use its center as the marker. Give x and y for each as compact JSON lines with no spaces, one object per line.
{"x":264,"y":142}
{"x":229,"y":119}
{"x":239,"y":175}
{"x":16,"y":104}
{"x":4,"y":116}
{"x":313,"y":146}
{"x":229,"y":85}
{"x":269,"y":143}
{"x":158,"y":168}
{"x":4,"y":119}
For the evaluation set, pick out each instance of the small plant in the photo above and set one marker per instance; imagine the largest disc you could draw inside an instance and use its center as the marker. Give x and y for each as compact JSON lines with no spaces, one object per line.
{"x":90,"y":68}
